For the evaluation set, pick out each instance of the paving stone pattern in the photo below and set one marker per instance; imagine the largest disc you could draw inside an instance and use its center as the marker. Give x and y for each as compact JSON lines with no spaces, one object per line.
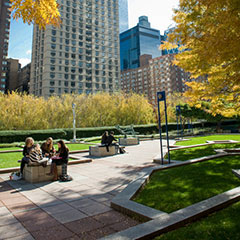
{"x":79,"y":209}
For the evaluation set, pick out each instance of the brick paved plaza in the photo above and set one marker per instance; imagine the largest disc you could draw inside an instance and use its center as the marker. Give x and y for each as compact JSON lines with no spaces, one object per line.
{"x":79,"y":209}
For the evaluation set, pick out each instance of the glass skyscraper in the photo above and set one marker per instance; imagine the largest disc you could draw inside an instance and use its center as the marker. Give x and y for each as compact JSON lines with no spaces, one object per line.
{"x":137,"y":41}
{"x":82,"y":55}
{"x":123,"y":15}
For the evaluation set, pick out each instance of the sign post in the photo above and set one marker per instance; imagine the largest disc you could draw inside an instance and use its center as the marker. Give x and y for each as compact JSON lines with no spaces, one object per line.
{"x":179,"y":117}
{"x":74,"y":122}
{"x":161,"y":96}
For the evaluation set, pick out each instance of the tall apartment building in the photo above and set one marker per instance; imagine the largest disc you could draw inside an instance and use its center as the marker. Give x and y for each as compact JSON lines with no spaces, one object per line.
{"x":137,"y":41}
{"x":82,"y":56}
{"x":13,"y":70}
{"x":5,"y":18}
{"x":157,"y":74}
{"x":24,"y":79}
{"x":123,"y":15}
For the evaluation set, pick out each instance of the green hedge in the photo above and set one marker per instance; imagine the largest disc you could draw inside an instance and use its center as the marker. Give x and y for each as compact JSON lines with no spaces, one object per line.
{"x":67,"y":134}
{"x":20,"y":136}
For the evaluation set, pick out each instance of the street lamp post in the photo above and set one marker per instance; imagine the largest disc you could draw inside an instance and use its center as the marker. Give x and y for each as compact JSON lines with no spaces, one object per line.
{"x":74,"y":122}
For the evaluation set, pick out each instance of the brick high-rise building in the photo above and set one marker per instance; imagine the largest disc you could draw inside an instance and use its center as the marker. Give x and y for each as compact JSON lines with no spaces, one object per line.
{"x":5,"y":17}
{"x":157,"y":74}
{"x":24,"y":79}
{"x":13,"y":70}
{"x":82,"y":56}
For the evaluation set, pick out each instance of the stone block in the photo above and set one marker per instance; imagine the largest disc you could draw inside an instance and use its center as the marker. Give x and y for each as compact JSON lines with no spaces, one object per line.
{"x":101,"y":151}
{"x":36,"y":174}
{"x":128,"y":141}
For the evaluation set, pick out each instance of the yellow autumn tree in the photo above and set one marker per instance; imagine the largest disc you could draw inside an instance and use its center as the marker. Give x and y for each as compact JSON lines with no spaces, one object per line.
{"x":25,"y":112}
{"x":210,"y":31}
{"x":40,"y":12}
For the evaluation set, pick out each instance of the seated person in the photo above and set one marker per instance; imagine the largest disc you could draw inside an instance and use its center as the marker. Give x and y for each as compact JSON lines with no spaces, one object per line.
{"x":61,"y":158}
{"x":110,"y":140}
{"x":104,"y":138}
{"x":47,"y":148}
{"x":35,"y":155}
{"x":26,"y":150}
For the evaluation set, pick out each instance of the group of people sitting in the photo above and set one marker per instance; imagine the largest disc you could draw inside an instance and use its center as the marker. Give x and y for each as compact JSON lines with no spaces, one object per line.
{"x":110,"y":140}
{"x":33,"y":153}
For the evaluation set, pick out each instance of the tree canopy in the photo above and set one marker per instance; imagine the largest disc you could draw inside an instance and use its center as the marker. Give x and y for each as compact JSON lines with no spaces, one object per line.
{"x":210,"y":31}
{"x":40,"y":12}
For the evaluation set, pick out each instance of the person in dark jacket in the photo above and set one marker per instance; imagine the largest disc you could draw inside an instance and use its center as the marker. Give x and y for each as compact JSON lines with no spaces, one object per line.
{"x":110,"y":142}
{"x":104,"y":138}
{"x":48,"y":149}
{"x":61,"y":158}
{"x":111,"y":138}
{"x":29,"y":144}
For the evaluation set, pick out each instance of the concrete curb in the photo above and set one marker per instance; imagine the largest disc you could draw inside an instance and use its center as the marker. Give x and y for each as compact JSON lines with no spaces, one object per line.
{"x":158,"y":221}
{"x":172,"y":221}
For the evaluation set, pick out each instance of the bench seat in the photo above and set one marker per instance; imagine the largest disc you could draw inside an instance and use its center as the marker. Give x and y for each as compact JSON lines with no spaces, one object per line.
{"x":128,"y":141}
{"x":36,"y":174}
{"x":101,"y":151}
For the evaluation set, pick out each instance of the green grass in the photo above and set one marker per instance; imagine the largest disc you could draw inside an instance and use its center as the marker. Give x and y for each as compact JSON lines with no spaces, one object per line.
{"x":176,"y":188}
{"x":196,"y":152}
{"x":8,"y":160}
{"x":73,"y":147}
{"x":10,"y":148}
{"x":200,"y":140}
{"x":221,"y":225}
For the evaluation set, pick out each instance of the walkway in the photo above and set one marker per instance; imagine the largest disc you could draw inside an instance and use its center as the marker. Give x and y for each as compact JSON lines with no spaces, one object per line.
{"x":79,"y":209}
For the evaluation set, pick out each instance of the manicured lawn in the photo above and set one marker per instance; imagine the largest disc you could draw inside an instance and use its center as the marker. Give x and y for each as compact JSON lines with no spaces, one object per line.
{"x":73,"y":147}
{"x":8,"y":160}
{"x":221,"y":225}
{"x":196,"y":152}
{"x":199,"y":140}
{"x":10,"y":148}
{"x":176,"y":188}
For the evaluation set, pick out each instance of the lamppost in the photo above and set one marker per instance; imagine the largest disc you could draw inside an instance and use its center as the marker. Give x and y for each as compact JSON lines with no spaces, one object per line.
{"x":74,"y":122}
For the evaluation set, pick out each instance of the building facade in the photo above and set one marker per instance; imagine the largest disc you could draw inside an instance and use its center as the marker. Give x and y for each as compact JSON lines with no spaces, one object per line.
{"x":5,"y":17}
{"x":158,"y":74}
{"x":82,"y":56}
{"x":137,"y":41}
{"x":12,"y":74}
{"x":123,"y":15}
{"x":24,"y":79}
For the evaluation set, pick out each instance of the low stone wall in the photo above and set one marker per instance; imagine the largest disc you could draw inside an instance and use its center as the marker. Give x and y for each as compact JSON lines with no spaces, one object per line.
{"x":35,"y":174}
{"x":101,"y":151}
{"x":128,"y":141}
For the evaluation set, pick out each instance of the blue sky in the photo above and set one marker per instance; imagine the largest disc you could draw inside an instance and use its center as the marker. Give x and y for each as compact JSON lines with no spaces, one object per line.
{"x":159,"y":13}
{"x":20,"y":44}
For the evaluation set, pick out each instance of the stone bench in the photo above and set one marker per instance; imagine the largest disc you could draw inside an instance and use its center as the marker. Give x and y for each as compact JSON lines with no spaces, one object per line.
{"x":37,"y":173}
{"x":101,"y":151}
{"x":128,"y":141}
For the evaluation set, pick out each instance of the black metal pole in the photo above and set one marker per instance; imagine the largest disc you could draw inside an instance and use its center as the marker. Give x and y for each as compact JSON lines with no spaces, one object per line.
{"x":166,"y":121}
{"x":160,"y":132}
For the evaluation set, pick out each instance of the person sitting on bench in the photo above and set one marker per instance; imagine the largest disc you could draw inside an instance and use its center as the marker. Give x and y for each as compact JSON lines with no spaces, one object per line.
{"x":29,"y":144}
{"x":110,"y":140}
{"x":104,"y":138}
{"x":35,"y":155}
{"x":48,"y":149}
{"x":61,"y":158}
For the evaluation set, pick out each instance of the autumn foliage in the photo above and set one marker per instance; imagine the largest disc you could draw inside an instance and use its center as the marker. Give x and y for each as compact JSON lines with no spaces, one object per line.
{"x":29,"y":112}
{"x":209,"y":31}
{"x":40,"y":12}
